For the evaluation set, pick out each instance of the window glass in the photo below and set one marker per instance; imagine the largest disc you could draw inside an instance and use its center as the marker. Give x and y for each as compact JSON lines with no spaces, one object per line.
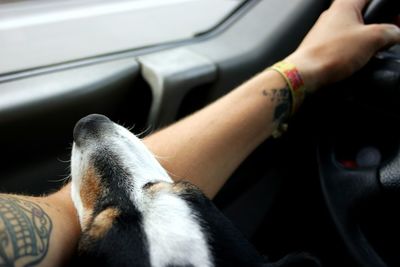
{"x":36,"y":33}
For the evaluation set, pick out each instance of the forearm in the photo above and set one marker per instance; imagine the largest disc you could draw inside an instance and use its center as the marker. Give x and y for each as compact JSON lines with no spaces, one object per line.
{"x":208,"y":146}
{"x":205,"y":148}
{"x":37,"y":231}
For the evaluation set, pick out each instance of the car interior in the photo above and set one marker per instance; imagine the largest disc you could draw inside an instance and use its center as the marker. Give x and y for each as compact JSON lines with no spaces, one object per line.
{"x":327,"y":187}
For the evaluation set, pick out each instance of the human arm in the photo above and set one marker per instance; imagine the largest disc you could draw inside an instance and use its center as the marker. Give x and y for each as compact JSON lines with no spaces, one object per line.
{"x":206,"y":147}
{"x":37,"y":231}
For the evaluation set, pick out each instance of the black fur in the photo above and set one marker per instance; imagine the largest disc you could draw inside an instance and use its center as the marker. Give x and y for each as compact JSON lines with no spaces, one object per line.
{"x":125,"y":243}
{"x":228,"y":245}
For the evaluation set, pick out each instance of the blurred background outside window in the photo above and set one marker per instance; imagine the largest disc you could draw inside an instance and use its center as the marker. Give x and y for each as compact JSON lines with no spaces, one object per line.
{"x":37,"y":33}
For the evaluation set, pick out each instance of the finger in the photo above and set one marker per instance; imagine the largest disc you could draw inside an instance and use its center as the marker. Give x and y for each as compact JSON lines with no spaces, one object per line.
{"x":393,"y":34}
{"x":384,"y":35}
{"x":358,"y":4}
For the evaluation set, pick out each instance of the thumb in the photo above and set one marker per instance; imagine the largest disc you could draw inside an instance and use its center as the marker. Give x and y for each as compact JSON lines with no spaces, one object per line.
{"x":384,"y":35}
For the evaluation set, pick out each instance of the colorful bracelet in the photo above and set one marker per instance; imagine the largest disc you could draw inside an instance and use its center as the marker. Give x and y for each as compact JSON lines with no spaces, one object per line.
{"x":294,"y":81}
{"x":297,"y":90}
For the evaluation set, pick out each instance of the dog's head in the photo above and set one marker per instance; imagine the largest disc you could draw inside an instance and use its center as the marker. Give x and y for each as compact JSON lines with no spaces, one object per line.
{"x":109,"y":165}
{"x":131,"y":211}
{"x":126,"y":201}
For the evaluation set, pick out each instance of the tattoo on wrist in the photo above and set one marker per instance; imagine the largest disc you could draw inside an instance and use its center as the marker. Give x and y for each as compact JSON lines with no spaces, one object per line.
{"x":282,"y":100}
{"x":24,"y":232}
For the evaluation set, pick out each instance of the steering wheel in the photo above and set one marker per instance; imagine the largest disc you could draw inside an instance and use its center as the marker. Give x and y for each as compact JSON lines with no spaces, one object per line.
{"x":347,"y":189}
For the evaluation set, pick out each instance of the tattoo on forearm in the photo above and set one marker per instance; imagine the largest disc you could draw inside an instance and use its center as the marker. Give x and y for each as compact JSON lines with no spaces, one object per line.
{"x":282,"y":100}
{"x":24,"y":232}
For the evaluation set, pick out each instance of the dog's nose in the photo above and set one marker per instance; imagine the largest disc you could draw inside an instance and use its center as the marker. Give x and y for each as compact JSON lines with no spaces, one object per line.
{"x":91,"y":126}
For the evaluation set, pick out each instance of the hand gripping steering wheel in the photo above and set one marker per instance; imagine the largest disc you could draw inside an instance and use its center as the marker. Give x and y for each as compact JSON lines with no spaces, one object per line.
{"x":347,"y":189}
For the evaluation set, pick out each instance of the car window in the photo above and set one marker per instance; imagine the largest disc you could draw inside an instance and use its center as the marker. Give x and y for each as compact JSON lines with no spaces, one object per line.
{"x":35,"y":33}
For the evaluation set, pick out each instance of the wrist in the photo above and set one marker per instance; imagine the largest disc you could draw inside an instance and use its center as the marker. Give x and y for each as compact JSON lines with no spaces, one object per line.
{"x":294,"y":83}
{"x":309,"y":70}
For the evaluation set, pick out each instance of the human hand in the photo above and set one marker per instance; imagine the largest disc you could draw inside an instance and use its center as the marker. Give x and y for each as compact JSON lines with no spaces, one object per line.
{"x":339,"y":44}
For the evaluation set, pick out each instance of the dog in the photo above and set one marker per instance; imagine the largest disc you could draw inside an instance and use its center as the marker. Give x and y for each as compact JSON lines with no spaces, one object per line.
{"x":132,"y":213}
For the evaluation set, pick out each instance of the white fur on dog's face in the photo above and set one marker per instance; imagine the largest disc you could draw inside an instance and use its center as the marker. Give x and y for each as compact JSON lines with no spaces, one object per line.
{"x":172,"y":229}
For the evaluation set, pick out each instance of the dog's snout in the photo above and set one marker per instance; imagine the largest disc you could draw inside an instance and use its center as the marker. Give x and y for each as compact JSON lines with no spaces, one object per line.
{"x":91,"y":126}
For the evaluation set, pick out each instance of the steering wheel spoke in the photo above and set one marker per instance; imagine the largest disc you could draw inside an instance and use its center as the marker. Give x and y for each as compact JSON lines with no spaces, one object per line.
{"x":346,"y":191}
{"x":389,"y":175}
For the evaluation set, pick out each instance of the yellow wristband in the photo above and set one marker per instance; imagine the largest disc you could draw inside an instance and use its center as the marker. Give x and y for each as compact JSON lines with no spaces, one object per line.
{"x":294,"y":81}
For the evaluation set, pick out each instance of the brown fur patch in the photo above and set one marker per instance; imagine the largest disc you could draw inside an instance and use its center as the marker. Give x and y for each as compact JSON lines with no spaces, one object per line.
{"x":176,"y":188}
{"x":184,"y":187}
{"x":103,"y":222}
{"x":87,"y":219}
{"x":158,"y":187}
{"x":90,"y":189}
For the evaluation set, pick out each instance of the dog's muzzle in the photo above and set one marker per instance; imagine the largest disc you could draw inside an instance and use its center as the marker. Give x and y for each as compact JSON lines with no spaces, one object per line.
{"x":91,"y":127}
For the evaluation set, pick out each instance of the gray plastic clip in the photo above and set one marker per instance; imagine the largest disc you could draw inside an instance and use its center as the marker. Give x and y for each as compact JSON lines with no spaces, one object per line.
{"x":171,"y":74}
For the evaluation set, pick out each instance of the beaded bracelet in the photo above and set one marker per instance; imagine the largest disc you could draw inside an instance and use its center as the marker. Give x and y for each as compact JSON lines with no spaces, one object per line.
{"x":297,"y":89}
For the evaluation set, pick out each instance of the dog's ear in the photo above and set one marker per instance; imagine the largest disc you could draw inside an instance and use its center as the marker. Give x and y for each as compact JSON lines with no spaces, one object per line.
{"x":179,"y":188}
{"x":103,"y":222}
{"x":98,"y":227}
{"x":185,"y":187}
